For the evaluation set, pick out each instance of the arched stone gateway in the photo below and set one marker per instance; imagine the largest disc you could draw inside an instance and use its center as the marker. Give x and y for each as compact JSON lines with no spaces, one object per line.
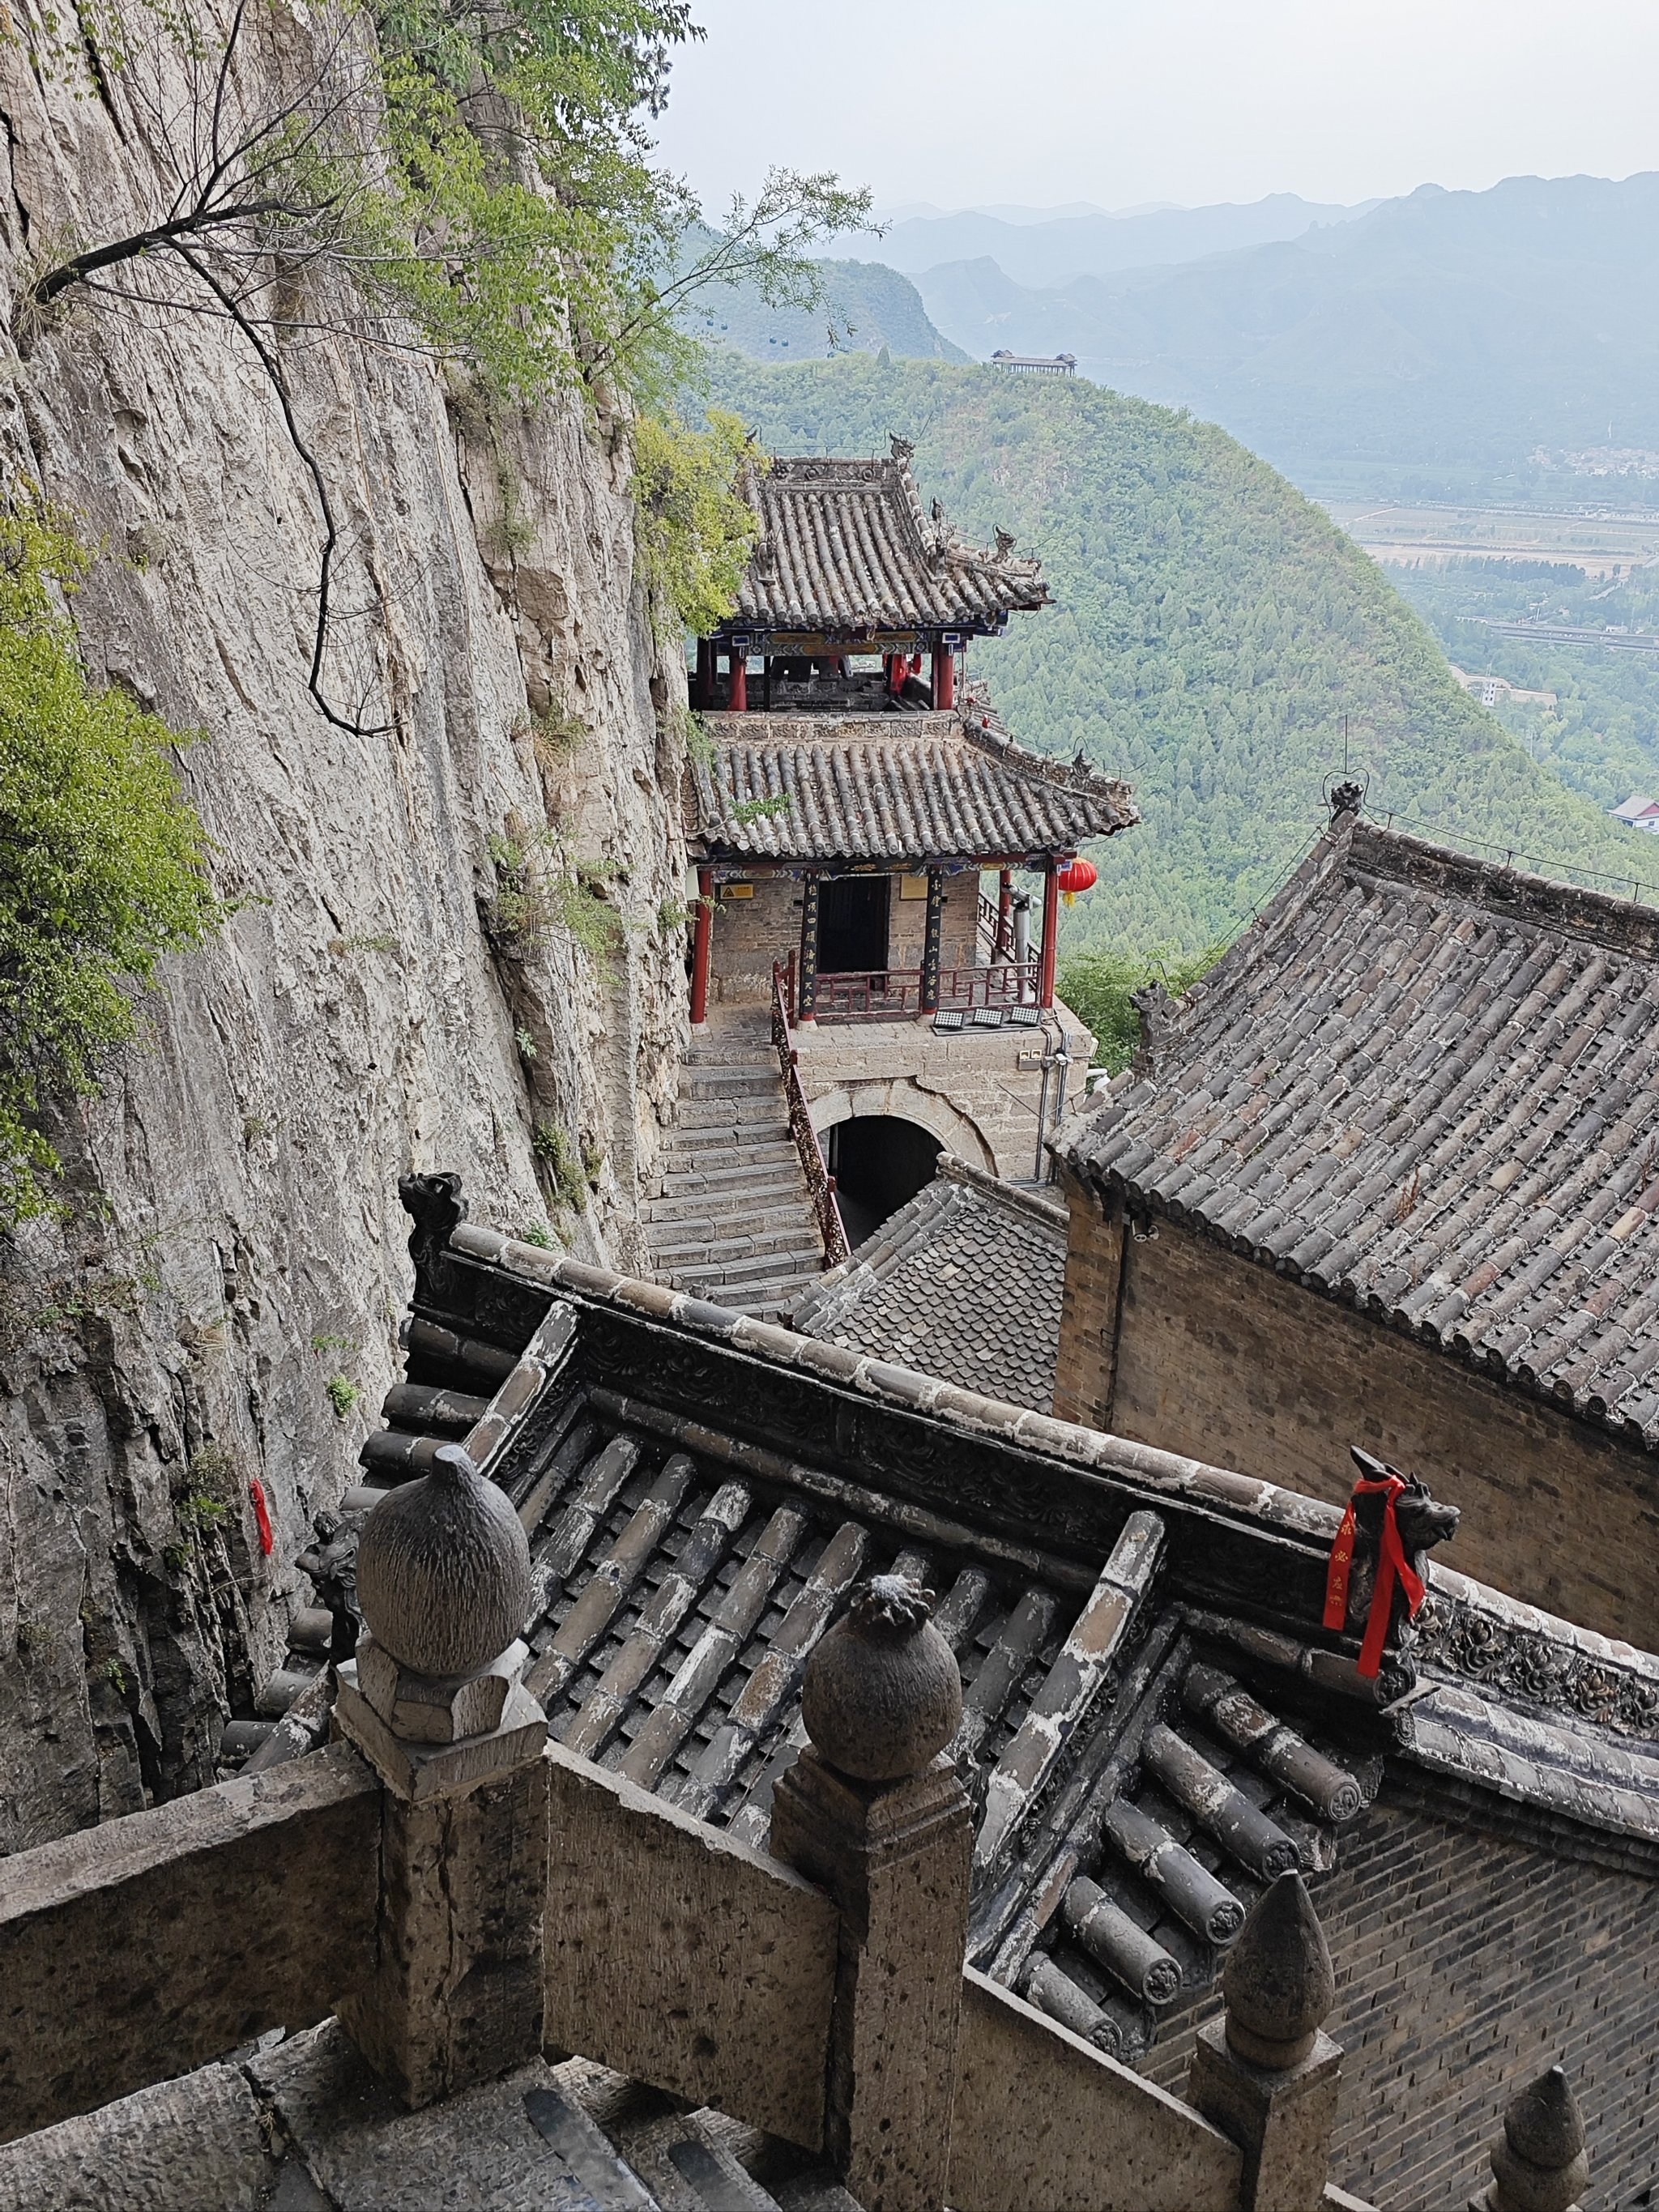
{"x":879,"y":1162}
{"x":902,"y":1098}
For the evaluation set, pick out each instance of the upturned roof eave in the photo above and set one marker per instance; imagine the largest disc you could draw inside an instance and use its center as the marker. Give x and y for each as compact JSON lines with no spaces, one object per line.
{"x":1371,"y":854}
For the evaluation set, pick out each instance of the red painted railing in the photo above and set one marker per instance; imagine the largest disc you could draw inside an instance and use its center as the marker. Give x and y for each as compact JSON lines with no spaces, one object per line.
{"x":1007,"y":983}
{"x":996,"y":928}
{"x":888,"y":994}
{"x":820,"y":1183}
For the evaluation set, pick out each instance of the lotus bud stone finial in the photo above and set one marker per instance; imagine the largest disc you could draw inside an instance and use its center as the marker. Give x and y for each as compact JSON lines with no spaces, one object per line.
{"x":883,"y":1693}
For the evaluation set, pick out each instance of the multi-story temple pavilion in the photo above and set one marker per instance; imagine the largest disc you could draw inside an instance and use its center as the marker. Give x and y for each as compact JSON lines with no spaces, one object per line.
{"x":860,"y":821}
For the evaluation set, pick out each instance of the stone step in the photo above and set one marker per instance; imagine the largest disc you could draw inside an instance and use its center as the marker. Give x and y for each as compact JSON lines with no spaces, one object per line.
{"x":735,"y":1168}
{"x":766,"y":1301}
{"x":730,"y":1082}
{"x":675,"y":1216}
{"x":697,"y":1115}
{"x":690,"y":1248}
{"x":681,"y":2158}
{"x":701,"y":1150}
{"x":765,"y":1266}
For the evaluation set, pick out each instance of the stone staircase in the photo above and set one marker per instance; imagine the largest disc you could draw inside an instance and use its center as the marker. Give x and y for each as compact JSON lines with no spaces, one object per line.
{"x":729,"y":1217}
{"x":635,"y":2150}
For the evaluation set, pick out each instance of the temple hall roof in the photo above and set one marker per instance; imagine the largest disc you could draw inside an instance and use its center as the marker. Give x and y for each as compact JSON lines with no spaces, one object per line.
{"x":964,"y":1282}
{"x":891,"y":787}
{"x":1154,"y":1715}
{"x":1429,"y":1087}
{"x":844,"y":548}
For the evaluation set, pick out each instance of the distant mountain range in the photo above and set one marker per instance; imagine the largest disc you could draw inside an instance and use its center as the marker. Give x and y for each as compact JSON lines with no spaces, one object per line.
{"x":1447,"y":345}
{"x":1034,"y":247}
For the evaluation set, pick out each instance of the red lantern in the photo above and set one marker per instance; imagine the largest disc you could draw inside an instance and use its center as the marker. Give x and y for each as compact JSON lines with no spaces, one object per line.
{"x":1078,"y":875}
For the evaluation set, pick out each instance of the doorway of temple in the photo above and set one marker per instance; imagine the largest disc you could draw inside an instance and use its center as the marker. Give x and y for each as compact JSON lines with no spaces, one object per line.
{"x":879,"y":1163}
{"x":853,"y":925}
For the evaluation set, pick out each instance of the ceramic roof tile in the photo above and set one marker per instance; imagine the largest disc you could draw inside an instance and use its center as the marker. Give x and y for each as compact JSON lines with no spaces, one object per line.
{"x":964,"y":1282}
{"x":893,"y":787}
{"x":844,"y":546}
{"x":1469,"y":1147}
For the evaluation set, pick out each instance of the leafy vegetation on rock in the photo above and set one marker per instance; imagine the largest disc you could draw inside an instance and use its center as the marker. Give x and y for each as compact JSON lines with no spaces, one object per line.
{"x":1211,"y":631}
{"x":695,"y":530}
{"x":103,"y":863}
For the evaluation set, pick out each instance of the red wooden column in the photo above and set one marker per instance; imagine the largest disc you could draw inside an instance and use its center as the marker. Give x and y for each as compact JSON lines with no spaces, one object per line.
{"x":1050,"y":930}
{"x":702,"y":944}
{"x":1005,"y":912}
{"x":738,"y":702}
{"x":945,"y":676}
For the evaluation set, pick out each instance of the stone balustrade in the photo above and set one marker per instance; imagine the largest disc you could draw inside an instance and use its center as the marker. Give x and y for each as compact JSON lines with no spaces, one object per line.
{"x":464,"y":1895}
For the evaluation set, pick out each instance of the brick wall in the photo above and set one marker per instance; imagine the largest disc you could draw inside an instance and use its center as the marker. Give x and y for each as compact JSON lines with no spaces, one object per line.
{"x":1215,"y":1356}
{"x":750,"y":934}
{"x":1466,"y":1964}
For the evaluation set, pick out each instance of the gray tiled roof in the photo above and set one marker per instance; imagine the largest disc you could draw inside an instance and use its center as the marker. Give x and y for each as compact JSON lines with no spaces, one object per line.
{"x":844,"y":546}
{"x":964,"y":1282}
{"x":1138,"y":1633}
{"x":894,"y":788}
{"x":1428,"y":1086}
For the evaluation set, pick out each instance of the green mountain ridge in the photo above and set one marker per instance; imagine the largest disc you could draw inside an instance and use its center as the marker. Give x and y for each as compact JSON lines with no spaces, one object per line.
{"x":866,"y":306}
{"x":1211,"y":629}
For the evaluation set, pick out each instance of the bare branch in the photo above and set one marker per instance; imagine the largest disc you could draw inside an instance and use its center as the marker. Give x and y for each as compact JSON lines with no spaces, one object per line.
{"x":278,"y":381}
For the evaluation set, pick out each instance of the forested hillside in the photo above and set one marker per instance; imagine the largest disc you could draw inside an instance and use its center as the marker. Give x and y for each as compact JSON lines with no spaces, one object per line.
{"x":1210,"y":630}
{"x":1601,"y":735}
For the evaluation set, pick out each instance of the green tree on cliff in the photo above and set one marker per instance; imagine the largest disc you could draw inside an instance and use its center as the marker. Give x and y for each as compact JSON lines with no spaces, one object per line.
{"x":103,"y":864}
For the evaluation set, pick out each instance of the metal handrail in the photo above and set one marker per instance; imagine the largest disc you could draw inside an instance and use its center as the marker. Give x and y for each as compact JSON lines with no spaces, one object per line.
{"x":820,"y":1183}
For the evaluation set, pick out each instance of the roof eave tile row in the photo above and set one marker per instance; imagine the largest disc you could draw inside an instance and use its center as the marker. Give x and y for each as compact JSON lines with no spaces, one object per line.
{"x":892,"y":789}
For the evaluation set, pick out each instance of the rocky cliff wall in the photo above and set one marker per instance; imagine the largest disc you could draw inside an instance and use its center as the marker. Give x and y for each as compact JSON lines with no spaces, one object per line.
{"x":236,"y":1248}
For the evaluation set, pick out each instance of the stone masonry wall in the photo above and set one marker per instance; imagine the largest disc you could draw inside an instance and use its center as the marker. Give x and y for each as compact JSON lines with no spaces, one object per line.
{"x":235,"y":1248}
{"x":1466,"y":1964}
{"x":966,"y":1086}
{"x":1217,"y":1357}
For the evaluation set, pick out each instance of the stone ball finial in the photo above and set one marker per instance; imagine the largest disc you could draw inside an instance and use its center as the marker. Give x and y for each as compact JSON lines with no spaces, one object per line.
{"x":883,"y":1693}
{"x":1278,"y":1981}
{"x":1540,"y":2161}
{"x":443,"y":1569}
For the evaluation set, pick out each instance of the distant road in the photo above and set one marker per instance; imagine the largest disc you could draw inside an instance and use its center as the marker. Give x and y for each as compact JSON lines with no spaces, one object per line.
{"x":1559,"y":634}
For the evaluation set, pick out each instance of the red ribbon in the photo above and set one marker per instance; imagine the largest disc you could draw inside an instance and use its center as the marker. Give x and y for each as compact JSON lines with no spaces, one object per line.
{"x":1392,"y":1566}
{"x":256,"y":1490}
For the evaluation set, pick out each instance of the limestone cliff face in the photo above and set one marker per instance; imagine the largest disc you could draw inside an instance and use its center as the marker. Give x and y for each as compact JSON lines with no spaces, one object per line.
{"x":237,"y":1244}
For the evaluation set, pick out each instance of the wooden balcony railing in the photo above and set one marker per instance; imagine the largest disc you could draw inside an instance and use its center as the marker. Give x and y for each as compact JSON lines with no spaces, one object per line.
{"x":996,"y":929}
{"x":820,"y":1183}
{"x":890,"y":995}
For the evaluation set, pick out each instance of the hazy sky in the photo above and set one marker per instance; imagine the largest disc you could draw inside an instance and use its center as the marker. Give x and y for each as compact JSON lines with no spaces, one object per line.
{"x":960,"y":102}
